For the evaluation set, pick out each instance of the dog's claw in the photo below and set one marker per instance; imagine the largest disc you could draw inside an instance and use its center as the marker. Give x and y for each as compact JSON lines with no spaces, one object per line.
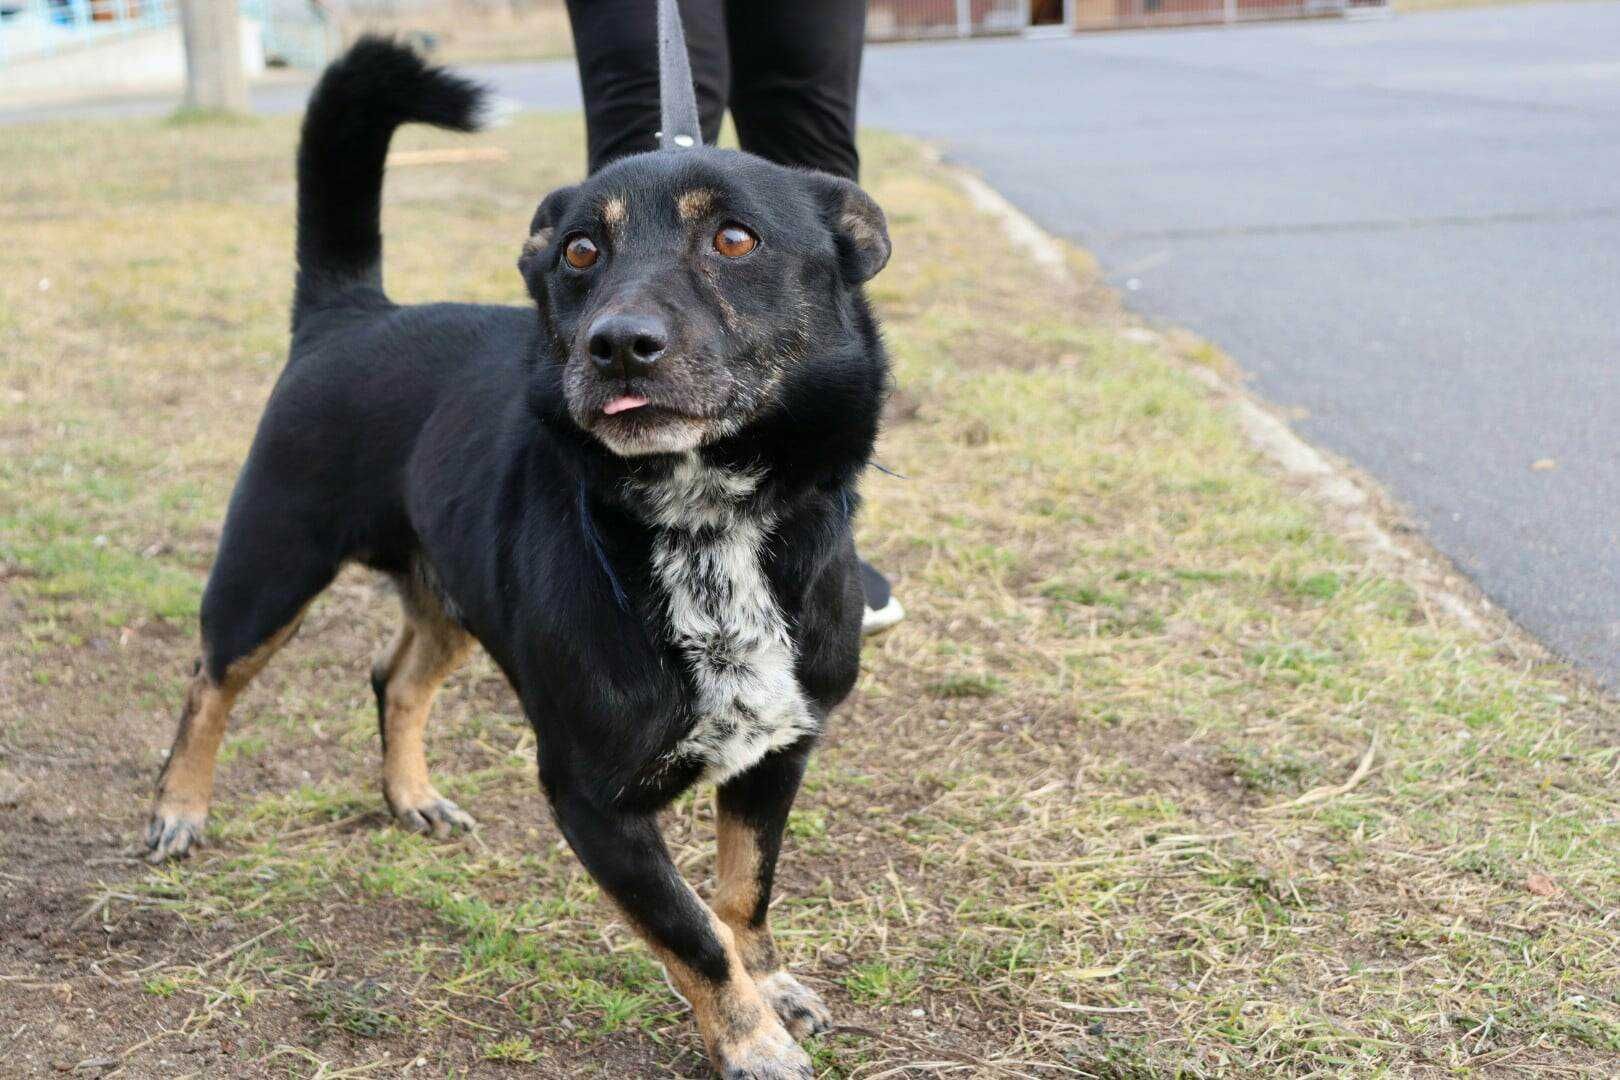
{"x":173,"y":835}
{"x":438,"y":817}
{"x":800,"y":1008}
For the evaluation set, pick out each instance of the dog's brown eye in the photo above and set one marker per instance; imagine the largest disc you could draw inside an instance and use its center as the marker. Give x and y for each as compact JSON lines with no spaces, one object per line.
{"x":734,"y":241}
{"x":580,"y":253}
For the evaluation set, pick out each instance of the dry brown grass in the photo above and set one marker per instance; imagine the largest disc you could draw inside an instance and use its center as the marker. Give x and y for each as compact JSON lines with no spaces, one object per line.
{"x":477,"y":31}
{"x":1087,"y":814}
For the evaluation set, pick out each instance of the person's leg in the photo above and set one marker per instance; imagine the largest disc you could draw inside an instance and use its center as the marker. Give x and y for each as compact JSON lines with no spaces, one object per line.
{"x":795,"y":70}
{"x":795,"y":74}
{"x":797,"y":89}
{"x":616,"y":47}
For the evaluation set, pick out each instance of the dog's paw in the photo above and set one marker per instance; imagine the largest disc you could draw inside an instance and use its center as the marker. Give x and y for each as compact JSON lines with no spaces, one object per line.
{"x":800,"y":1008}
{"x":430,"y":812}
{"x":173,"y":833}
{"x":767,"y":1053}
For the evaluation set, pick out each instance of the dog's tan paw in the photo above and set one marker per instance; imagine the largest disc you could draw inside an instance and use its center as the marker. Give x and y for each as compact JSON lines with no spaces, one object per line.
{"x":429,"y":812}
{"x":174,"y":832}
{"x":800,"y":1008}
{"x":767,"y":1053}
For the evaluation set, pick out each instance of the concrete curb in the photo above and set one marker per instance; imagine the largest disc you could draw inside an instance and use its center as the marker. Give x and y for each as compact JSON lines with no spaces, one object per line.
{"x":1355,"y":498}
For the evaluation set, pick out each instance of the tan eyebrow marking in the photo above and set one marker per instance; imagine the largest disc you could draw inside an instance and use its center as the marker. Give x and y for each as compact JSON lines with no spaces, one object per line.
{"x":614,"y":211}
{"x":695,"y":203}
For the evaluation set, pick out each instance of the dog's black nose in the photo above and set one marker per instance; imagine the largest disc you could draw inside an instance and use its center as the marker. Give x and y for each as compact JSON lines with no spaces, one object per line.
{"x":627,"y":342}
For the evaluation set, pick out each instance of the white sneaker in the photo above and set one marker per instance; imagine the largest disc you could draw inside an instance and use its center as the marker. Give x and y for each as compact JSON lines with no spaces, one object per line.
{"x":883,"y":610}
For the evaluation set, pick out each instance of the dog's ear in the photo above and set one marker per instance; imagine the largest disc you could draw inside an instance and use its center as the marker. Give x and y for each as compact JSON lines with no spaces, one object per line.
{"x":857,"y":224}
{"x":544,"y":225}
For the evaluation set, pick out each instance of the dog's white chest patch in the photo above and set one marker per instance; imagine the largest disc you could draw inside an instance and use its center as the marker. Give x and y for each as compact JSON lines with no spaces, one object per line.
{"x":723,"y":618}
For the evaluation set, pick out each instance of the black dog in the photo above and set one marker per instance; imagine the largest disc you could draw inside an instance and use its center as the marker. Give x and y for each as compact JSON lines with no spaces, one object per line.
{"x":636,"y":495}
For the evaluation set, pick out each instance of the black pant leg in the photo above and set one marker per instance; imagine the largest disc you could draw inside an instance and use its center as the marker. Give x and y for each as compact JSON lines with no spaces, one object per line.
{"x":616,"y":47}
{"x":795,"y":72}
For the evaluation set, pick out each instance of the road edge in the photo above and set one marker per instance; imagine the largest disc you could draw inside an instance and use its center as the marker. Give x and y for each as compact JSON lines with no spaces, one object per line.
{"x":1364,"y":510}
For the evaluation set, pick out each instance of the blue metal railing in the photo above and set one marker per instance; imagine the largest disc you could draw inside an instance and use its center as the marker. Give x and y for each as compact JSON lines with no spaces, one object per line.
{"x":30,"y":28}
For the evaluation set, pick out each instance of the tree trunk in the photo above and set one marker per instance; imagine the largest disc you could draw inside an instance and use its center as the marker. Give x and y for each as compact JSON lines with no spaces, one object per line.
{"x":214,"y":77}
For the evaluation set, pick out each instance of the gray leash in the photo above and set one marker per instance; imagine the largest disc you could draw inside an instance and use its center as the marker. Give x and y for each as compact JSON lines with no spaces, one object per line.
{"x":677,"y":103}
{"x":679,"y":130}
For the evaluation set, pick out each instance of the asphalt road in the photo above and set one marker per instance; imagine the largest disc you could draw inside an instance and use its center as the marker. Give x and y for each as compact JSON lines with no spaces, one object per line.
{"x":1407,"y":229}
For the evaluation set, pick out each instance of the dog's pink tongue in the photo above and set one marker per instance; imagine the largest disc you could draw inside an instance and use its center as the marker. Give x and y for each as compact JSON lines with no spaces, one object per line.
{"x":623,"y":404}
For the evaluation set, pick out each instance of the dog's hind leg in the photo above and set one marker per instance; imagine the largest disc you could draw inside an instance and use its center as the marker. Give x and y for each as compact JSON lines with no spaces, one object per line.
{"x":751,"y":813}
{"x":406,"y":678}
{"x":186,"y":784}
{"x":271,"y":565}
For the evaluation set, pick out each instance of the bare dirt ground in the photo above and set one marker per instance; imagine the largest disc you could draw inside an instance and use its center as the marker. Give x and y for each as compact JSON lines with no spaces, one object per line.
{"x":1161,"y":777}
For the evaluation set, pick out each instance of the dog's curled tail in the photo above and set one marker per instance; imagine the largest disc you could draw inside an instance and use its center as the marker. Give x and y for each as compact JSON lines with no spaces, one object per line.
{"x":363,"y":96}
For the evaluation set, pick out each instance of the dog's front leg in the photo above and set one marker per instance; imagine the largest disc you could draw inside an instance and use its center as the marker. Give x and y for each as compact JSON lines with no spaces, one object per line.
{"x":752,"y":811}
{"x":626,"y":855}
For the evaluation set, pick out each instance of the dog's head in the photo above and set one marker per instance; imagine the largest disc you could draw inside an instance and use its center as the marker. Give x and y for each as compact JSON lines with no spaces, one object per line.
{"x":680,"y":291}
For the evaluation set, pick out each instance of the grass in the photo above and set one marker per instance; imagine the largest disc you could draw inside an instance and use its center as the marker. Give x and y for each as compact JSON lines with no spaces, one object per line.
{"x":1088,"y":814}
{"x":478,"y":33}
